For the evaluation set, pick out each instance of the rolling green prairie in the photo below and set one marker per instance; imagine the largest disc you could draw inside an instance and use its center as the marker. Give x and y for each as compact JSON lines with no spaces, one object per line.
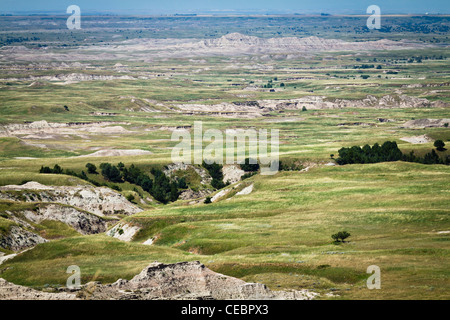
{"x":280,"y":234}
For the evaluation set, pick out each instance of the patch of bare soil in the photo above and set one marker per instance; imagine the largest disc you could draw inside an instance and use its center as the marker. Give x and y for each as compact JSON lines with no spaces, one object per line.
{"x":117,"y":153}
{"x":31,"y":185}
{"x":426,"y":123}
{"x":220,"y":194}
{"x":123,"y":232}
{"x":45,"y":130}
{"x":259,"y":108}
{"x":228,"y":45}
{"x":97,"y":200}
{"x":232,"y":173}
{"x":66,"y":79}
{"x":190,"y":194}
{"x":19,"y":238}
{"x":10,"y":291}
{"x":158,"y":281}
{"x":418,"y":139}
{"x":246,"y":190}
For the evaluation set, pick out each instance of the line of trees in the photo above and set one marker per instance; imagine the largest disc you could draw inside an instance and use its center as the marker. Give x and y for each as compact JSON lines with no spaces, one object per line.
{"x":162,"y":188}
{"x":58,"y":170}
{"x":388,"y":151}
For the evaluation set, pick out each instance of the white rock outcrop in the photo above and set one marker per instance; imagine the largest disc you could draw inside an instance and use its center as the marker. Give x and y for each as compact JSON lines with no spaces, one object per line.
{"x":189,"y":280}
{"x":101,"y":201}
{"x":18,"y":239}
{"x":123,"y":232}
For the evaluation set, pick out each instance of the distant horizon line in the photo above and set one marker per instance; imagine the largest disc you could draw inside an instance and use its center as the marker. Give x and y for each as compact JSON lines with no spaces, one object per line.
{"x":213,"y":13}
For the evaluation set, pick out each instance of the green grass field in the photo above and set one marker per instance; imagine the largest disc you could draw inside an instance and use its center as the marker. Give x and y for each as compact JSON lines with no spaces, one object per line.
{"x":280,"y":234}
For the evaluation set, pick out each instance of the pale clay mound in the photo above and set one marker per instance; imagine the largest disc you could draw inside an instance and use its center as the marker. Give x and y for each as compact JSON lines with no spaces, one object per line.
{"x":238,"y":44}
{"x":47,"y":130}
{"x":70,"y":78}
{"x":228,"y":45}
{"x":232,"y":173}
{"x":186,"y":280}
{"x":10,"y":291}
{"x":4,"y":258}
{"x":31,"y":185}
{"x":426,"y":123}
{"x":25,"y":235}
{"x":18,"y":239}
{"x":172,"y":168}
{"x":190,"y":194}
{"x":98,"y":200}
{"x":258,"y":108}
{"x":158,"y":281}
{"x":220,"y":194}
{"x":418,"y":139}
{"x":245,"y":191}
{"x":147,"y":242}
{"x":83,"y":222}
{"x":118,"y":153}
{"x":123,"y":232}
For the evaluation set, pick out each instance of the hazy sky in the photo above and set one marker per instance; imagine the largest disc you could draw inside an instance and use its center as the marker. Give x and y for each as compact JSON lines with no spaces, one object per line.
{"x":218,"y":6}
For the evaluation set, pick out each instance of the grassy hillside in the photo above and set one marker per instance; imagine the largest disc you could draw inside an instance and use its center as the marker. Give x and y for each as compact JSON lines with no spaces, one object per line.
{"x":280,"y":235}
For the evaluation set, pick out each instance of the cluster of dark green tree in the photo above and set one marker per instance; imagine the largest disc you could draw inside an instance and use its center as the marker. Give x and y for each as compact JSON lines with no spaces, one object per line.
{"x":58,"y":170}
{"x":111,"y":173}
{"x":388,"y":151}
{"x":429,"y":158}
{"x":162,"y":188}
{"x":250,"y":166}
{"x":215,"y":171}
{"x":364,"y":66}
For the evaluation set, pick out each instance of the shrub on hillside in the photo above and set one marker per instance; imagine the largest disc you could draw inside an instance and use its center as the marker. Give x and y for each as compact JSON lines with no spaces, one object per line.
{"x":56,"y":169}
{"x":439,"y":145}
{"x":340,"y":236}
{"x":215,"y":171}
{"x":91,"y":168}
{"x":250,"y":165}
{"x":111,"y":173}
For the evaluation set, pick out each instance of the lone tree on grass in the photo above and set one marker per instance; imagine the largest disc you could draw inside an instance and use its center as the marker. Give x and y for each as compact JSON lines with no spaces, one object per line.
{"x":439,"y":145}
{"x":340,"y":236}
